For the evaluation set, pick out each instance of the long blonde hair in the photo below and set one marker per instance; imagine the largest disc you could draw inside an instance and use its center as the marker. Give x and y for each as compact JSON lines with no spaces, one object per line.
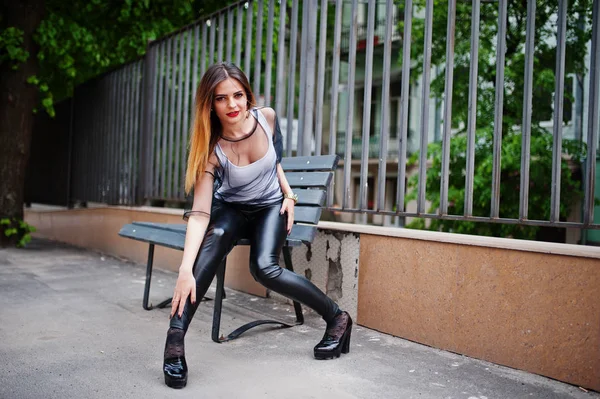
{"x":207,"y":127}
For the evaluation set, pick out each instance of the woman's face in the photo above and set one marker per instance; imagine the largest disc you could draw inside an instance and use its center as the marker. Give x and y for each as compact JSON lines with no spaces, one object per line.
{"x":230,"y":102}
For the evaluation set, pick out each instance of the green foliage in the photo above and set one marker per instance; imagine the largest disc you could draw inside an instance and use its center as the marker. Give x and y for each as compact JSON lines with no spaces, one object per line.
{"x":79,"y":39}
{"x":578,"y":18}
{"x":540,"y":179}
{"x":11,"y":47}
{"x":17,"y":230}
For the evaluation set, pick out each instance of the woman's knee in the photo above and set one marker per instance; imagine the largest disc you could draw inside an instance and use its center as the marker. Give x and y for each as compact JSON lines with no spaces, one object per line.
{"x":264,"y":268}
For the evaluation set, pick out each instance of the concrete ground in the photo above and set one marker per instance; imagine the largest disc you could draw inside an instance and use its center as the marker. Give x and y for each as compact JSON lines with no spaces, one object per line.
{"x":72,"y":326}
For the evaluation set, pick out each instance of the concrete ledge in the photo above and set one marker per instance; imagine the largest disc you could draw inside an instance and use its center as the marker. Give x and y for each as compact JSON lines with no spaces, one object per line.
{"x":465,"y":239}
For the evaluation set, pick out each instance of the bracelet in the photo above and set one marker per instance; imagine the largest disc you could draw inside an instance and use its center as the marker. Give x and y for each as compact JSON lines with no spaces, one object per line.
{"x":291,"y":196}
{"x":186,"y":215}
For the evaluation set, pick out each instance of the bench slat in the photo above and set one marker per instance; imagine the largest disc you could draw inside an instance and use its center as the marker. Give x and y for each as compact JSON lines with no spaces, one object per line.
{"x":307,"y":214}
{"x":173,"y":235}
{"x":303,"y":233}
{"x":314,"y":197}
{"x":302,"y":214}
{"x":154,"y":235}
{"x":310,"y":163}
{"x":311,"y":179}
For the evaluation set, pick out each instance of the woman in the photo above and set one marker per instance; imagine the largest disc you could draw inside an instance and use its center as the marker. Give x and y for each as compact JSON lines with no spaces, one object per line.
{"x":239,"y":188}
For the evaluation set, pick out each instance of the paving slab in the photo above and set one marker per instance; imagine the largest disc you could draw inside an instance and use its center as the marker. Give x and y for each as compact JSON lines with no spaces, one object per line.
{"x":72,"y":326}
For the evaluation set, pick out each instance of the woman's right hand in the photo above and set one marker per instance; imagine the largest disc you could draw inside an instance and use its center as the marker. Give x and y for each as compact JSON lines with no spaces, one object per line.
{"x":186,"y":286}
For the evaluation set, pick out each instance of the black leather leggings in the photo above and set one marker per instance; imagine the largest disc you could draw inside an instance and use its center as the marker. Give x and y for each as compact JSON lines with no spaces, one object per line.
{"x":266,"y":229}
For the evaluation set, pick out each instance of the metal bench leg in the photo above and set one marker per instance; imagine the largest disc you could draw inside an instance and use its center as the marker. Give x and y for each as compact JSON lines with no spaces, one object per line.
{"x":216,"y":327}
{"x":220,"y":294}
{"x":148,"y":281}
{"x":149,"y":266}
{"x":287,"y":257}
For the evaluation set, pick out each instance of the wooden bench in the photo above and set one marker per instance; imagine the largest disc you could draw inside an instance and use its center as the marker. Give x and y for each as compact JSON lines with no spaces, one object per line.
{"x":308,"y":176}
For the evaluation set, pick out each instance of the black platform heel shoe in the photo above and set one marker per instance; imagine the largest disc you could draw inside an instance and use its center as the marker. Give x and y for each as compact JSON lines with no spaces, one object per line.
{"x":175,"y":370}
{"x":174,"y":364}
{"x":336,"y":339}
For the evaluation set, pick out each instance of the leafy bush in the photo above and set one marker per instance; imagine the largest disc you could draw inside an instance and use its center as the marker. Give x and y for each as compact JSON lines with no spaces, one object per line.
{"x":540,"y":182}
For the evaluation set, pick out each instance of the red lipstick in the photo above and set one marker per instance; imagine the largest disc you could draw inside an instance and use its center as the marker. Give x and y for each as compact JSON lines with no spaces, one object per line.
{"x":233,"y":114}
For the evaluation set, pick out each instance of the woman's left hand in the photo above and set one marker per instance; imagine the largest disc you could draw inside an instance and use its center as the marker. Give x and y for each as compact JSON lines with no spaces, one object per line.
{"x":288,"y":206}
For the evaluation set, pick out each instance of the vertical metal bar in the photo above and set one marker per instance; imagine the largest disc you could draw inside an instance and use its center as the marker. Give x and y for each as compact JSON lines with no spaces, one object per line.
{"x":91,"y":145}
{"x":134,"y":115}
{"x":559,"y":97}
{"x":211,"y":46}
{"x":171,"y":118}
{"x":160,"y":106}
{"x":280,"y":86}
{"x":499,"y":103}
{"x":104,"y":153}
{"x":384,"y":134}
{"x":303,"y":64}
{"x":165,"y":119}
{"x":321,"y":78}
{"x":195,"y":62}
{"x":99,"y":189}
{"x":131,"y":114}
{"x":178,"y":117}
{"x":77,"y":144}
{"x":127,"y":164}
{"x":106,"y":145}
{"x":269,"y":50}
{"x":593,"y":111}
{"x":149,"y":126}
{"x":238,"y":37}
{"x":366,"y":125}
{"x":311,"y":62}
{"x":258,"y":49}
{"x":350,"y":116}
{"x":472,"y":116}
{"x":186,"y":117}
{"x":92,"y":134}
{"x":121,"y":136}
{"x":425,"y":106}
{"x":404,"y":100}
{"x":88,"y":150}
{"x":139,"y":107}
{"x":291,"y":79}
{"x":121,"y":139}
{"x":248,"y":51}
{"x":230,"y":33}
{"x":114,"y":92}
{"x":527,"y":110}
{"x":90,"y":153}
{"x":221,"y":29}
{"x":70,"y":158}
{"x":335,"y":80}
{"x":126,"y":160}
{"x":204,"y":40}
{"x":108,"y":154}
{"x":451,"y":27}
{"x":105,"y":83}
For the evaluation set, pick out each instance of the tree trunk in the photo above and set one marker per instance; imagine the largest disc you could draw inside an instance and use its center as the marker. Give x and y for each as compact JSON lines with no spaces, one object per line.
{"x":17,"y":101}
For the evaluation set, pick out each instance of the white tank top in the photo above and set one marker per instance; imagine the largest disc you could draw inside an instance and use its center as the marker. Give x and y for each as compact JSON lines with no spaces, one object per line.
{"x":253,"y":184}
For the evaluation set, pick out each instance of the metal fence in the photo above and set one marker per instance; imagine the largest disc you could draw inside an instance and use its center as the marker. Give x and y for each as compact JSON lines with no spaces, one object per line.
{"x":131,"y":126}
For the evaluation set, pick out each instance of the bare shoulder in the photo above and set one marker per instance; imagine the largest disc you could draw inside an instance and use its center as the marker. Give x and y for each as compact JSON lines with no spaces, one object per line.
{"x":269,"y":114}
{"x":213,"y":162}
